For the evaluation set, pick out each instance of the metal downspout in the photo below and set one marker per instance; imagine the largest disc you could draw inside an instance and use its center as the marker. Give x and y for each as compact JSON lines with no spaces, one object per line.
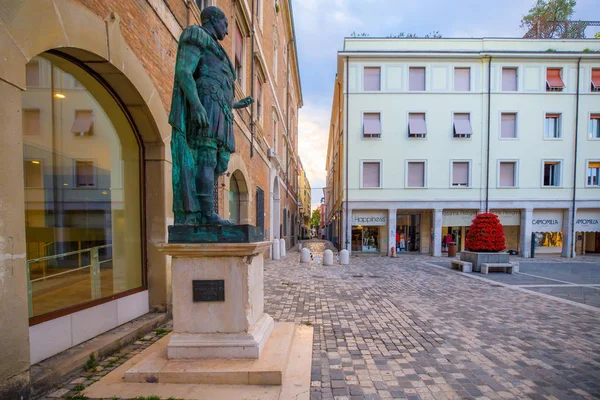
{"x":347,"y":145}
{"x":573,"y":239}
{"x":252,"y":122}
{"x":489,"y":110}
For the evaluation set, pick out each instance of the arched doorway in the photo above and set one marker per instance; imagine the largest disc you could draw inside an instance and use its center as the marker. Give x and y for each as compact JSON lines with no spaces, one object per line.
{"x":238,"y":207}
{"x":234,"y":201}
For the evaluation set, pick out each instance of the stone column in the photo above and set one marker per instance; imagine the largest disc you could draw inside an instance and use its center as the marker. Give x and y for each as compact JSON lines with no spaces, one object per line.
{"x":436,"y":222}
{"x":566,"y":230}
{"x":526,"y":230}
{"x":14,"y":329}
{"x":391,"y":230}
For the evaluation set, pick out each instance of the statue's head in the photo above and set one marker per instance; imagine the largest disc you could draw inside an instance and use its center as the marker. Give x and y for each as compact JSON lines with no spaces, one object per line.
{"x":213,"y":17}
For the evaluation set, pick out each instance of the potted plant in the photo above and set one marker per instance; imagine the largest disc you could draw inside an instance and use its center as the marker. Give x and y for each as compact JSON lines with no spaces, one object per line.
{"x":485,"y":241}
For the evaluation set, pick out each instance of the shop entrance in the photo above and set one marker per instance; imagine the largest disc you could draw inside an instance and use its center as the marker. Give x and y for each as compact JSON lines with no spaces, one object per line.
{"x":454,"y":234}
{"x":587,"y":242}
{"x":408,"y":232}
{"x":365,"y":238}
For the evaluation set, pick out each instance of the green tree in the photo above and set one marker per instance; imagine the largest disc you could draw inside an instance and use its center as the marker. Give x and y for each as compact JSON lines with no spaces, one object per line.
{"x":597,"y":35}
{"x":550,"y":19}
{"x":315,"y":220}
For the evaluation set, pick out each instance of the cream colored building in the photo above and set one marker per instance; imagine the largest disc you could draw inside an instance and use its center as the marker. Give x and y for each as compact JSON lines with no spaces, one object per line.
{"x":437,"y":130}
{"x":304,"y":196}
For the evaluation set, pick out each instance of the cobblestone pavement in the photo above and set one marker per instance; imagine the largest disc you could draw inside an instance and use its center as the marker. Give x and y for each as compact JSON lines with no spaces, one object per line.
{"x":400,"y":328}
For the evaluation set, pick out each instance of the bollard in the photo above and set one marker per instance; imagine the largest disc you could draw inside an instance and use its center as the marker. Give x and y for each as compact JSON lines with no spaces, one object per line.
{"x":344,"y":257}
{"x":299,"y":246}
{"x":328,"y":257}
{"x":305,"y":255}
{"x":275,"y":250}
{"x":282,"y":251}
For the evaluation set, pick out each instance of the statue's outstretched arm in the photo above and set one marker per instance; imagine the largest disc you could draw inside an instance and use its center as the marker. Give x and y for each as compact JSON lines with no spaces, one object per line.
{"x":243,"y":103}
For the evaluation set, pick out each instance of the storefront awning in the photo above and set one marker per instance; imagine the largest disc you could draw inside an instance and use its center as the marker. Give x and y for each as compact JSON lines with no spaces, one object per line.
{"x":587,"y":220}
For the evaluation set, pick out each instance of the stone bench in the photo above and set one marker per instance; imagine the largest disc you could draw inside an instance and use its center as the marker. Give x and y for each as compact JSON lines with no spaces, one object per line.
{"x":463,"y":266}
{"x":508,"y":268}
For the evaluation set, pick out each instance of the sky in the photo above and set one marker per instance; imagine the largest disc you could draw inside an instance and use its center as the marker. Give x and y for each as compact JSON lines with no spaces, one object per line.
{"x":321,"y":26}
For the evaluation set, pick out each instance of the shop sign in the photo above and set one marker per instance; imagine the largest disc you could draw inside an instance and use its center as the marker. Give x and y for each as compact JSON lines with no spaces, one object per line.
{"x":458,"y":217}
{"x":587,"y":221}
{"x":369,"y":218}
{"x":508,"y":217}
{"x":547,"y":221}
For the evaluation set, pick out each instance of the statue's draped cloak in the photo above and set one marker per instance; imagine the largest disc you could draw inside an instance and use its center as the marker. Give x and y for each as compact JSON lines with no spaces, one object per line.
{"x":214,"y":77}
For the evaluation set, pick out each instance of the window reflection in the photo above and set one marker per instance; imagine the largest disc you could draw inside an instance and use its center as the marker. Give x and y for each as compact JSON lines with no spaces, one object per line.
{"x":82,"y":194}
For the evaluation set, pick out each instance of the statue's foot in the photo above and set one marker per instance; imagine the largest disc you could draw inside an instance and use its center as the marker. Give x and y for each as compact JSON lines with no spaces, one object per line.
{"x":214,"y":219}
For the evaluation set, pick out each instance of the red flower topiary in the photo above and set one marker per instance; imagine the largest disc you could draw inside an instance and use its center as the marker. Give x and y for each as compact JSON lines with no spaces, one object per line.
{"x":486,"y":234}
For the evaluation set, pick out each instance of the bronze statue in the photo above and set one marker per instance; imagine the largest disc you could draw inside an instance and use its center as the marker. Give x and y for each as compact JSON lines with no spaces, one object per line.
{"x":202,"y":118}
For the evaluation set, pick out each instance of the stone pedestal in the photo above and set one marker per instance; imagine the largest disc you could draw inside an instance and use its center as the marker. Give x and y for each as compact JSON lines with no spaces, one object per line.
{"x":227,"y":325}
{"x":477,"y":259}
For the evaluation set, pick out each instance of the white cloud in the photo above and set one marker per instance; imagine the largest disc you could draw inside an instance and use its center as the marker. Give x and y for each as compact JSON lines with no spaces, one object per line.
{"x":313,"y":134}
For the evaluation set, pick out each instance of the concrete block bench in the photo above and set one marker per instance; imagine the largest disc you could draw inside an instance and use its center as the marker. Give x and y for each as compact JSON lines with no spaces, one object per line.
{"x":463,"y":266}
{"x":508,"y":268}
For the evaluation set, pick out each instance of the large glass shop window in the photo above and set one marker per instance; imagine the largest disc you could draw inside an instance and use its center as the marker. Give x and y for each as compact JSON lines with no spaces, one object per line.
{"x":82,"y":189}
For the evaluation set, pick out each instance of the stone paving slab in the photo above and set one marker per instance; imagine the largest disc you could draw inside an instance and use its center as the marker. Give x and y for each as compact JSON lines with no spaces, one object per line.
{"x":580,"y":294}
{"x":398,"y":328}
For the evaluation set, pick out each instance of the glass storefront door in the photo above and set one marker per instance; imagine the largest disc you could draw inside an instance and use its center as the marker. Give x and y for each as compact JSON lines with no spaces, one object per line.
{"x":408,"y":232}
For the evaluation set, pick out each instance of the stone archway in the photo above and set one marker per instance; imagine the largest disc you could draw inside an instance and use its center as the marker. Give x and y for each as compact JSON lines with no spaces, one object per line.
{"x":275,"y":210}
{"x":237,"y":196}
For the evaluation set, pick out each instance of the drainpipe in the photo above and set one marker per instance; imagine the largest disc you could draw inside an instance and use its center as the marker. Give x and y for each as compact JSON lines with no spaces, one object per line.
{"x":573,"y":239}
{"x":252,"y":122}
{"x":487,"y":169}
{"x":347,"y":145}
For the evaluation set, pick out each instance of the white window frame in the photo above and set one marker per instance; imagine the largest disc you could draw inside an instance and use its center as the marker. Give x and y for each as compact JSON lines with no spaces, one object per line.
{"x":452,"y":136}
{"x":587,"y":163}
{"x":590,"y":126}
{"x":380,"y":161}
{"x":500,"y":124}
{"x":94,"y":174}
{"x":470,"y":178}
{"x":380,"y":78}
{"x":560,"y":175}
{"x":362,"y":124}
{"x":408,"y":121}
{"x":424,"y":161}
{"x":516,"y":177}
{"x":425,"y":77}
{"x":516,"y":67}
{"x":207,"y":3}
{"x":454,"y":79}
{"x":560,"y":126}
{"x":591,"y":89}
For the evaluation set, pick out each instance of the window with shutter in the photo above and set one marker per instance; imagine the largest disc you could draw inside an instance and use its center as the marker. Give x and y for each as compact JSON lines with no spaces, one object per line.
{"x":31,"y":122}
{"x":507,"y":174}
{"x":595,"y":79}
{"x":416,"y":125}
{"x":460,"y":173}
{"x":371,"y":174}
{"x":84,"y":123}
{"x":462,"y":125}
{"x":239,"y":55}
{"x":462,"y":79}
{"x":32,"y":74}
{"x":84,"y":174}
{"x":509,"y":79}
{"x":371,"y":125}
{"x":554,"y":82}
{"x":416,"y":79}
{"x":415,"y":174}
{"x":372,"y":79}
{"x":508,"y":125}
{"x":594,"y":126}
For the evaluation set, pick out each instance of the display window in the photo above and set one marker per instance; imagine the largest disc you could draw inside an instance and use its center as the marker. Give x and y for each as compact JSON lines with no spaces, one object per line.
{"x":83,"y":175}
